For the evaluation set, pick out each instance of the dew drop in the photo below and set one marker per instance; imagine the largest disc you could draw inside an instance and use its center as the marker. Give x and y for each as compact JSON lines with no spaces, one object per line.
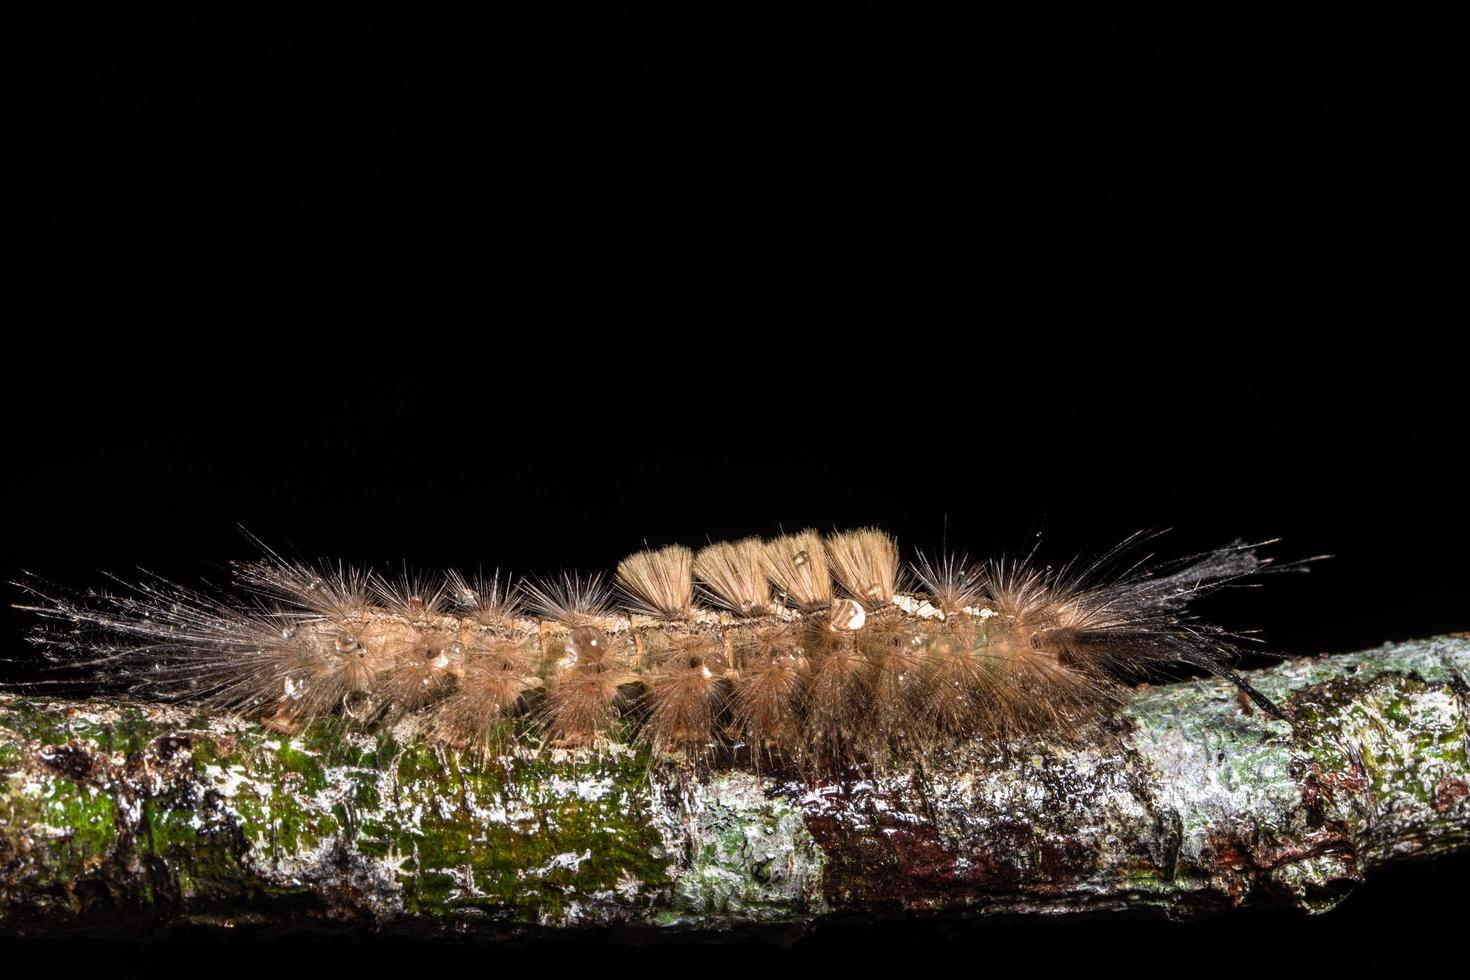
{"x":848,"y":615}
{"x":587,"y":644}
{"x":358,"y":705}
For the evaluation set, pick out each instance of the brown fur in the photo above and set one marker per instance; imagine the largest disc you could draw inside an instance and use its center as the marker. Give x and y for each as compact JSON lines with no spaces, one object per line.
{"x":997,"y":651}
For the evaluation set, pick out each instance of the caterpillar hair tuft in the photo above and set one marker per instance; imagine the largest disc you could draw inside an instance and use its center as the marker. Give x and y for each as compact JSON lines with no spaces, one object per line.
{"x":486,"y":599}
{"x":796,"y":564}
{"x":659,"y":583}
{"x":570,"y":600}
{"x":732,"y":575}
{"x":865,"y":564}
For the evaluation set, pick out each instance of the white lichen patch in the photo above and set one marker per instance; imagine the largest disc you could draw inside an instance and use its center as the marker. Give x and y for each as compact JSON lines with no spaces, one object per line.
{"x":568,"y":860}
{"x":227,"y":781}
{"x":590,"y":789}
{"x":1378,"y":733}
{"x":1217,"y":781}
{"x":752,"y":857}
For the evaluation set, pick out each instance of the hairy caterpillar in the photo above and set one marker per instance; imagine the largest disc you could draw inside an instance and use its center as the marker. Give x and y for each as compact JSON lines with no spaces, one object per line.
{"x":810,"y":649}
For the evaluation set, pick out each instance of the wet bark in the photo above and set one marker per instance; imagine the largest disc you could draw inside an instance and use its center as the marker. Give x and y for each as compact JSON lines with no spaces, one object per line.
{"x":129,"y":817}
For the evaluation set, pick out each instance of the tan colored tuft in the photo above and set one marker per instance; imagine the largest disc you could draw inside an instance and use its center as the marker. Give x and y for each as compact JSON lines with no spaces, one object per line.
{"x":991,"y":682}
{"x":422,"y":670}
{"x":570,"y":600}
{"x":768,"y":691}
{"x":487,"y":599}
{"x":953,"y":583}
{"x":732,"y":573}
{"x":582,"y":707}
{"x":477,"y":716}
{"x":684,"y":690}
{"x":1034,"y":692}
{"x":311,"y":674}
{"x":865,"y":563}
{"x":660,"y":583}
{"x":836,"y":704}
{"x":336,"y":591}
{"x":797,"y":565}
{"x":957,"y":685}
{"x":416,"y":596}
{"x":894,"y":647}
{"x":1023,"y":595}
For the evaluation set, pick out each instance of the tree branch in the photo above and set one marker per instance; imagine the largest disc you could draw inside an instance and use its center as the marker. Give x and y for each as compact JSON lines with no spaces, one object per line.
{"x":120,"y":816}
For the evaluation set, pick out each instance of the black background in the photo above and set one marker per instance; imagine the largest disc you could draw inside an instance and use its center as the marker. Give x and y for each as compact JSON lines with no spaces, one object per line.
{"x":528,"y":290}
{"x":745,"y":129}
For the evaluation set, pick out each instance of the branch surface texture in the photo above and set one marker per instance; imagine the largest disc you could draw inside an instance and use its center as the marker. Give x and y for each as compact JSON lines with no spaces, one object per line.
{"x":119,"y":817}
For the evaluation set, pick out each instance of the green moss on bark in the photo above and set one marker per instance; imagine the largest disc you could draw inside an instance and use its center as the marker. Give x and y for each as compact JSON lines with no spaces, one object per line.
{"x":1186,"y":802}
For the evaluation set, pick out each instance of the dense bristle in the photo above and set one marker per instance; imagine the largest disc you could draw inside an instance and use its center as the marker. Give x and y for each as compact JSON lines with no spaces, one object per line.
{"x":684,"y":687}
{"x":583,"y":706}
{"x":486,"y":598}
{"x":952,"y":582}
{"x":333,"y":590}
{"x":1018,"y":592}
{"x":570,"y":600}
{"x":335,"y":670}
{"x":412,"y":594}
{"x":955,"y":686}
{"x":478,"y":714}
{"x":660,"y":583}
{"x":797,"y":565}
{"x":732,"y":574}
{"x":895,"y":650}
{"x":1034,"y":692}
{"x":767,"y":692}
{"x":422,"y":667}
{"x":865,"y":564}
{"x":834,"y":704}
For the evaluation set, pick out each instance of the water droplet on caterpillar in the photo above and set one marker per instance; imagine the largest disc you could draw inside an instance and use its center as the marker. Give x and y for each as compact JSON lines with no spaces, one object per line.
{"x":358,"y":705}
{"x":587,"y":644}
{"x":847,"y":616}
{"x":439,"y":658}
{"x":346,"y":643}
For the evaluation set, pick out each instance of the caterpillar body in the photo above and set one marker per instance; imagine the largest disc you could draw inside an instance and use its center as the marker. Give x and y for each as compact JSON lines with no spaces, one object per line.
{"x":813,"y":650}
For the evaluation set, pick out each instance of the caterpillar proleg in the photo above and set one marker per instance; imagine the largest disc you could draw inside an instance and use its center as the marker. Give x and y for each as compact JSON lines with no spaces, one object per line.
{"x":811,"y":649}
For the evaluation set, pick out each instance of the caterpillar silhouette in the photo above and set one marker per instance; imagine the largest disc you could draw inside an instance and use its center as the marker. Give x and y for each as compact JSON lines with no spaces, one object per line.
{"x":812,"y":650}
